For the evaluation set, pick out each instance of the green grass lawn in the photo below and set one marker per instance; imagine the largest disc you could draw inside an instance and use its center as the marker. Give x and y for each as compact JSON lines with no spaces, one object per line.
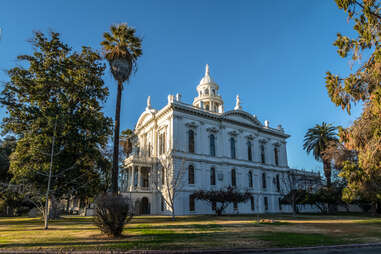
{"x":196,"y":232}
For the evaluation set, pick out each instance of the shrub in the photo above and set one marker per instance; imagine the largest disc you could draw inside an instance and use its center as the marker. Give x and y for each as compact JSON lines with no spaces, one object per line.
{"x":223,"y":197}
{"x":112,"y":213}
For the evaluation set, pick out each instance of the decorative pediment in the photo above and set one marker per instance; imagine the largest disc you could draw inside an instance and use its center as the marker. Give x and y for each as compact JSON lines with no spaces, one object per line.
{"x":145,"y":117}
{"x":191,"y":124}
{"x":250,"y":137}
{"x":233,"y":133}
{"x":241,"y":116}
{"x":264,"y":140}
{"x":212,"y":129}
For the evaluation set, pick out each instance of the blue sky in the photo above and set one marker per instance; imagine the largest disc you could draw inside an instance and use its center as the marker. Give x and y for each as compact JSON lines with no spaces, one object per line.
{"x":274,"y":54}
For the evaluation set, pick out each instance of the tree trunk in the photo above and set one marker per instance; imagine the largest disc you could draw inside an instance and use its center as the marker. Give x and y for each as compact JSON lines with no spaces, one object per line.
{"x":115,"y":162}
{"x":173,"y":214}
{"x":373,"y":209}
{"x":327,"y":172}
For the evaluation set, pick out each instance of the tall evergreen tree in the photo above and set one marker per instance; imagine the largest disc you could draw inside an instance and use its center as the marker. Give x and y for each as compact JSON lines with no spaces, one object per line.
{"x":122,"y":49}
{"x":316,"y":141}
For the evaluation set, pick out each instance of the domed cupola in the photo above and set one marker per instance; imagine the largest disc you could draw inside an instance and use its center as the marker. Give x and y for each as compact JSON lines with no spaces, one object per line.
{"x":208,"y":97}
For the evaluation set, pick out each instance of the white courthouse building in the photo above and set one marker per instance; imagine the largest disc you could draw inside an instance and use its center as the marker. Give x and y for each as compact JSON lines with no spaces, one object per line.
{"x":214,"y":147}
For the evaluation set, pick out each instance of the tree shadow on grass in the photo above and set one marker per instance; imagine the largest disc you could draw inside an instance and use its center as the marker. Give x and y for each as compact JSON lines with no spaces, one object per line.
{"x":125,"y":242}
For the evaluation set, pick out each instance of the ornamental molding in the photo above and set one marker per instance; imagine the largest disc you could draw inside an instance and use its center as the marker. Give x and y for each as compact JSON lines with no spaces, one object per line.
{"x":192,"y":125}
{"x":233,"y":133}
{"x":212,"y":130}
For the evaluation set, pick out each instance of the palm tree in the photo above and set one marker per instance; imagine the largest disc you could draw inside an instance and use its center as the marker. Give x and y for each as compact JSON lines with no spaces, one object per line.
{"x":316,"y":140}
{"x":122,"y":49}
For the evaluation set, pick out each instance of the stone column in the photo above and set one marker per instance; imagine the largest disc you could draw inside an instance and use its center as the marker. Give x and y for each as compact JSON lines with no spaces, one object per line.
{"x":132,"y":178}
{"x":139,"y":177}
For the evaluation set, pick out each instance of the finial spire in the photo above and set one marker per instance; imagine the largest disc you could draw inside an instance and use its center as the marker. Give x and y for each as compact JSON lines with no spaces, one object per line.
{"x":207,"y":69}
{"x":148,"y":102}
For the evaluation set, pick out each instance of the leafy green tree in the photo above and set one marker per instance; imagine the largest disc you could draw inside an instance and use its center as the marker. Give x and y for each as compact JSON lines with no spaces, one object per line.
{"x":122,"y":50}
{"x":316,"y":141}
{"x":56,"y":86}
{"x":363,"y":84}
{"x":7,"y":146}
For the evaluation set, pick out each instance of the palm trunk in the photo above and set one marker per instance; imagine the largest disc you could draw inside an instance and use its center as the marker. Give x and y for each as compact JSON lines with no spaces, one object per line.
{"x":115,"y":162}
{"x":327,"y":172}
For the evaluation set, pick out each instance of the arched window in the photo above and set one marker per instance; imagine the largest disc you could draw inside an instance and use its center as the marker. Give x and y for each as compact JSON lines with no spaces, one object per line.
{"x":232,"y":148}
{"x":250,"y":179}
{"x":191,"y":174}
{"x":212,"y":176}
{"x":263,"y":153}
{"x":206,"y":91}
{"x":212,"y":145}
{"x":264,"y":180}
{"x":249,"y":153}
{"x":233,"y":176}
{"x":276,"y":156}
{"x":252,"y":203}
{"x":191,"y":141}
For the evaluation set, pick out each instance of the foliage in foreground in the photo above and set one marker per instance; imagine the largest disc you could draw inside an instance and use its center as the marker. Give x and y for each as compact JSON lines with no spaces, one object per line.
{"x":57,"y":92}
{"x":112,"y":213}
{"x":363,"y":85}
{"x":220,"y":199}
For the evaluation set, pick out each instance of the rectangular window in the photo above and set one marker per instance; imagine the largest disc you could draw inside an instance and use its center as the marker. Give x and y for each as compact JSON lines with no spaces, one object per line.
{"x":249,"y":152}
{"x":252,"y":203}
{"x":277,"y":183}
{"x":212,"y":176}
{"x":263,"y":159}
{"x":280,"y":204}
{"x":191,"y":141}
{"x":162,"y":143}
{"x":191,"y":203}
{"x":214,"y":205}
{"x":266,"y":201}
{"x":191,"y":174}
{"x":162,"y":204}
{"x":276,"y":156}
{"x":264,"y":184}
{"x":235,"y":204}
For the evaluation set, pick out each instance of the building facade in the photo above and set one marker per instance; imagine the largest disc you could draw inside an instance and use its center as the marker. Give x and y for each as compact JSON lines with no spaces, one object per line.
{"x":213,"y":149}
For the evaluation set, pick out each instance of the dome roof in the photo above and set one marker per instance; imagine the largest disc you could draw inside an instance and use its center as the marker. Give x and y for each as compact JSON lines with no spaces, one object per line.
{"x":206,"y":79}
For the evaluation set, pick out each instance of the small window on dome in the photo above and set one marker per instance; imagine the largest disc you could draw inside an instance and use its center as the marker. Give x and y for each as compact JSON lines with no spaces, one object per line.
{"x":214,"y":92}
{"x":206,"y":91}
